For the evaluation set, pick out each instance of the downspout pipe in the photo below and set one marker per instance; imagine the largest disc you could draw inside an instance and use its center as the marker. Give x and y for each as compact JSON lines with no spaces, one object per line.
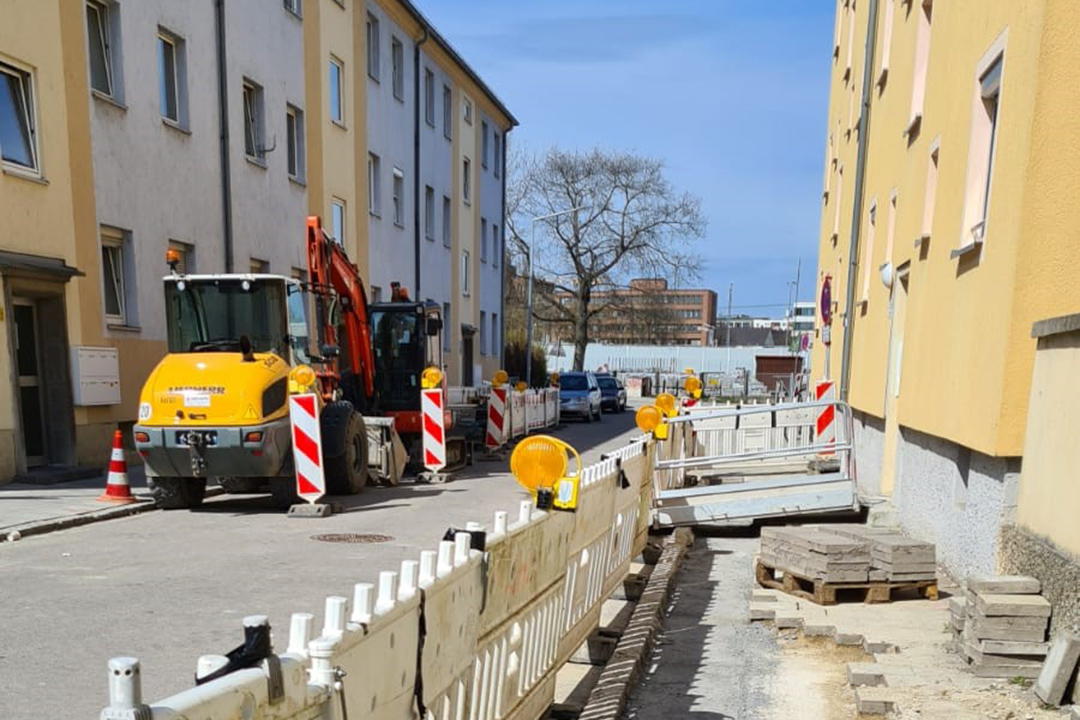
{"x":416,"y":158}
{"x":856,"y":210}
{"x":223,"y":116}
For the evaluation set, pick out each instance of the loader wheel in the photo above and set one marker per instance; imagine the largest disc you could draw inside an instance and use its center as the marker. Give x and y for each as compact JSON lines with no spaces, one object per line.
{"x":242,"y":485}
{"x":283,"y":492}
{"x":173,"y":493}
{"x":344,"y":449}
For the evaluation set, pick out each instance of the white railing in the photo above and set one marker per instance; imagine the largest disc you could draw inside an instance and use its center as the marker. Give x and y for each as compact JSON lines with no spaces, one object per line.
{"x":458,"y":634}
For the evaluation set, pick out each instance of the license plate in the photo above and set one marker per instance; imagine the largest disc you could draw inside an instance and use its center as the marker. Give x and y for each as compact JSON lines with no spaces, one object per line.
{"x":209,"y":437}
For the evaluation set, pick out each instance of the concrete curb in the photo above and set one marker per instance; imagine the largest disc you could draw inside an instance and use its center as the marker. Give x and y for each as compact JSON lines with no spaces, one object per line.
{"x":42,"y":527}
{"x":608,"y":698}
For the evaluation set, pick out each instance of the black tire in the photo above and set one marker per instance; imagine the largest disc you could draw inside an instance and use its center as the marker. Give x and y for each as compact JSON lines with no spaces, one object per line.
{"x":622,"y":406}
{"x":588,"y":414}
{"x":242,"y":485}
{"x":173,"y":493}
{"x":283,"y":492}
{"x":345,"y":451}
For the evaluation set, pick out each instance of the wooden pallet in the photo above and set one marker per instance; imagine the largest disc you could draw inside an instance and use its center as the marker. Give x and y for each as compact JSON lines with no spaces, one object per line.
{"x":824,"y":593}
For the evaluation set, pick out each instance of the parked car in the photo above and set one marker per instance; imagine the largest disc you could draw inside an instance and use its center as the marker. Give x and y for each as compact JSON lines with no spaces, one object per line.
{"x":579,"y":395}
{"x":612,"y":392}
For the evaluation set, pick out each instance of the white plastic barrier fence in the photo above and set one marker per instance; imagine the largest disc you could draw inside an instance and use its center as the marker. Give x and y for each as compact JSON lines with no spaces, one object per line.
{"x":458,"y":634}
{"x":517,"y":414}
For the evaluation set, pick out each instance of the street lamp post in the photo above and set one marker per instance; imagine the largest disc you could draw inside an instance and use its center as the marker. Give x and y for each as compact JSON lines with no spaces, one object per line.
{"x":529,"y":290}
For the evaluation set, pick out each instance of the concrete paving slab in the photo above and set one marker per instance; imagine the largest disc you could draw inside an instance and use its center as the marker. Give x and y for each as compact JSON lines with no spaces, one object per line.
{"x":1013,"y":606}
{"x":1004,"y":584}
{"x":876,"y":700}
{"x":1058,"y":670}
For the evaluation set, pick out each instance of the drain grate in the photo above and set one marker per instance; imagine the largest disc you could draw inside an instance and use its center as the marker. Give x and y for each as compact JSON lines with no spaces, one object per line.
{"x":351,"y":538}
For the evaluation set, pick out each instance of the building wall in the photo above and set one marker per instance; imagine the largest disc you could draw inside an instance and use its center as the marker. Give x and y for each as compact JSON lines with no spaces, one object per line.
{"x":467,"y":221}
{"x":489,"y":267}
{"x":436,"y":171}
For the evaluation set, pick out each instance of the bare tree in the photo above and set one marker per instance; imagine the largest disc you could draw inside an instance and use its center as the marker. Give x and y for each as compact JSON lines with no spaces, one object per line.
{"x":632,"y":223}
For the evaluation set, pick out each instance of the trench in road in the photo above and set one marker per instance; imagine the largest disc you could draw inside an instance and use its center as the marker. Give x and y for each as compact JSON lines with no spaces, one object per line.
{"x":166,"y":587}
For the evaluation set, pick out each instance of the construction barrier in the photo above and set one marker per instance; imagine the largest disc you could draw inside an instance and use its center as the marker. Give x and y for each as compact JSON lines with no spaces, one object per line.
{"x":474,"y":630}
{"x":517,"y":414}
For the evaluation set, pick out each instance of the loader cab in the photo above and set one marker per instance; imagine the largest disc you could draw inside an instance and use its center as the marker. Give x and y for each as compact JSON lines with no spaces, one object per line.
{"x":406,"y":337}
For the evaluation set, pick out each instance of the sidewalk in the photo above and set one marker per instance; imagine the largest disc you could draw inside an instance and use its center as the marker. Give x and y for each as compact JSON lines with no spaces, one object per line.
{"x":28,"y":508}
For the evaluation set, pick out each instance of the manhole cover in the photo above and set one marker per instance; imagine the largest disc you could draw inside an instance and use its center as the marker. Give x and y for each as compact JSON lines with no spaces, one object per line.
{"x":351,"y":538}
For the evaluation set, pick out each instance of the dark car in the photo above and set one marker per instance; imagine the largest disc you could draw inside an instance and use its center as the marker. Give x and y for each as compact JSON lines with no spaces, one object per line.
{"x":612,"y":392}
{"x":579,"y":394}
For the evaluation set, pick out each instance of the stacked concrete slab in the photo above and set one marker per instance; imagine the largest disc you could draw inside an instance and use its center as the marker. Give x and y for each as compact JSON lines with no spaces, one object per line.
{"x":893,"y":557}
{"x":1000,"y":626}
{"x":814,"y":554}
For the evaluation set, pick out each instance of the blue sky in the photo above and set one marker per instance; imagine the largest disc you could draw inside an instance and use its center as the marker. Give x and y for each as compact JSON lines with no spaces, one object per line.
{"x":731,"y":95}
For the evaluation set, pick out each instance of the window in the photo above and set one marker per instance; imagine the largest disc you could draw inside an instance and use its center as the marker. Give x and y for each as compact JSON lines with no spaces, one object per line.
{"x":886,"y":41}
{"x":483,"y":240}
{"x":186,"y":254}
{"x":447,"y":120}
{"x":497,"y":159}
{"x":254,"y":146}
{"x":496,"y":248}
{"x":446,"y":324}
{"x":839,"y":200}
{"x":483,"y":333}
{"x":114,"y":249}
{"x":850,"y":38}
{"x":446,"y":221}
{"x":293,"y":6}
{"x":397,"y":60}
{"x":337,"y":220}
{"x":922,"y":62}
{"x":868,"y":256}
{"x":18,"y":136}
{"x":373,"y":183}
{"x":376,"y":294}
{"x":99,"y":30}
{"x":495,"y":350}
{"x":169,"y":76}
{"x":399,"y":197}
{"x":484,"y":143}
{"x":337,"y":91}
{"x":890,"y":228}
{"x":465,"y":272}
{"x":984,"y":122}
{"x":931,"y":191}
{"x":466,"y":110}
{"x":258,"y":267}
{"x":429,"y":97}
{"x":466,"y":180}
{"x":429,"y":213}
{"x":373,"y":47}
{"x":294,"y":140}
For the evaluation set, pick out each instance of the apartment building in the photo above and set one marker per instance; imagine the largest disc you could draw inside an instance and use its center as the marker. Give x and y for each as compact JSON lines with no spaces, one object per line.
{"x":948,"y":229}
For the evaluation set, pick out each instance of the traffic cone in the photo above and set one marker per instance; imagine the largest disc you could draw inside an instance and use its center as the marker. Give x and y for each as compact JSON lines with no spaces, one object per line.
{"x":117,"y":488}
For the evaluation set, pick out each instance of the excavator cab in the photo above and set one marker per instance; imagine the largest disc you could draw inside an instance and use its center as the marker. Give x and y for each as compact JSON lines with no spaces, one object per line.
{"x":406,"y":337}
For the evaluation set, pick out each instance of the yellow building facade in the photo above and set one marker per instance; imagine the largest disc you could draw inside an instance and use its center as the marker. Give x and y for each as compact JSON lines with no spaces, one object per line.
{"x":948,"y":220}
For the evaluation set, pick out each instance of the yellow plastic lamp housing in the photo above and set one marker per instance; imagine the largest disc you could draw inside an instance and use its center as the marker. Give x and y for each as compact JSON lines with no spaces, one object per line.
{"x":648,"y":418}
{"x":500,"y":379}
{"x":521,"y":386}
{"x":696,"y":394}
{"x":667,"y":404}
{"x":301,"y":379}
{"x":692,"y":385}
{"x":431,"y":378}
{"x":541,"y":461}
{"x":688,"y":371}
{"x":555,"y":379}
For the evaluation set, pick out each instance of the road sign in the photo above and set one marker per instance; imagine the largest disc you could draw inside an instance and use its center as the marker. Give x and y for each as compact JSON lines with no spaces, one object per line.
{"x":496,"y":425}
{"x":307,"y":447}
{"x":434,"y":439}
{"x":826,"y":427}
{"x":826,"y":300}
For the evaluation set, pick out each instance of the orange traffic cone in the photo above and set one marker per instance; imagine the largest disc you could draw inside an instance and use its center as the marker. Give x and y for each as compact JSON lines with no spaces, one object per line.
{"x":117,"y":488}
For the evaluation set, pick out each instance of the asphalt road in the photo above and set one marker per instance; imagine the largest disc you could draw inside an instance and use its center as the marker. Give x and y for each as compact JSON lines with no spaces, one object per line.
{"x":167,"y":587}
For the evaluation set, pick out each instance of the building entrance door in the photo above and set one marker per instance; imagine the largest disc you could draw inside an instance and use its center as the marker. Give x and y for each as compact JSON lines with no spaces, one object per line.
{"x":27,"y":361}
{"x":467,"y":359}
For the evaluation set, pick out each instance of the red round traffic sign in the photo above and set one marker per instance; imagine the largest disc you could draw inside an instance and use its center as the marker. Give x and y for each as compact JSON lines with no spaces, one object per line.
{"x":826,"y":300}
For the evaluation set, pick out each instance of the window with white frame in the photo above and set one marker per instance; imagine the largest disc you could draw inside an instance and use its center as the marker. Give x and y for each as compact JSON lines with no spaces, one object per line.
{"x":429,"y":212}
{"x":466,"y":110}
{"x":102,"y":30}
{"x":466,"y":180}
{"x":497,"y":159}
{"x":483,"y":240}
{"x":484,"y":143}
{"x":446,"y":221}
{"x":496,"y":247}
{"x":373,"y":47}
{"x":294,"y":7}
{"x":868,"y":255}
{"x":850,"y":37}
{"x":429,"y":97}
{"x":399,"y":197}
{"x":337,"y":220}
{"x":495,"y":350}
{"x":172,"y":78}
{"x":447,"y":117}
{"x":294,"y":141}
{"x":839,"y":200}
{"x":931,"y":191}
{"x":483,"y":333}
{"x":465,"y":267}
{"x":924,"y":13}
{"x":114,"y":270}
{"x":337,"y":91}
{"x":886,"y":41}
{"x":373,"y":173}
{"x":984,"y":124}
{"x":397,"y":67}
{"x":18,"y":127}
{"x":890,"y":227}
{"x":254,"y":127}
{"x":446,"y":324}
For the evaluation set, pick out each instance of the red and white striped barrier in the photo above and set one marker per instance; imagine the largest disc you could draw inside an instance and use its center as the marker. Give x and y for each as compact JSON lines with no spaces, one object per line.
{"x":117,"y":488}
{"x":307,"y":447}
{"x":434,"y":438}
{"x":496,"y":419}
{"x":826,"y":419}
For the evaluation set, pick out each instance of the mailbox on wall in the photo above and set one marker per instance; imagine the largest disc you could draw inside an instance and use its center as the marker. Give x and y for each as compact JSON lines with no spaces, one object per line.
{"x":95,"y":376}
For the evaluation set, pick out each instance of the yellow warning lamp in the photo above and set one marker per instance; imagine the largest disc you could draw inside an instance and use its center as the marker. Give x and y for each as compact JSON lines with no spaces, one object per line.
{"x":521,"y":386}
{"x":688,"y":371}
{"x":501,"y":378}
{"x":301,"y":379}
{"x":540,"y":463}
{"x":650,"y":419}
{"x":555,"y":379}
{"x":692,"y":385}
{"x":431,"y":378}
{"x":667,"y":404}
{"x":172,"y":258}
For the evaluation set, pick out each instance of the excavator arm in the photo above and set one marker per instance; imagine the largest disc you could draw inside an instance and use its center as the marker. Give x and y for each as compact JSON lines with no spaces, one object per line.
{"x":335,"y":279}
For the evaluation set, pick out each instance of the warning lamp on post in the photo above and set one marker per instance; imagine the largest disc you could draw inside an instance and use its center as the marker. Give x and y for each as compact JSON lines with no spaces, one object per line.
{"x":301,"y":380}
{"x":650,"y":419}
{"x":521,"y":386}
{"x":540,"y":464}
{"x":172,"y":258}
{"x":693,"y":387}
{"x":555,"y":379}
{"x":431,"y":378}
{"x":667,"y":404}
{"x":500,"y":378}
